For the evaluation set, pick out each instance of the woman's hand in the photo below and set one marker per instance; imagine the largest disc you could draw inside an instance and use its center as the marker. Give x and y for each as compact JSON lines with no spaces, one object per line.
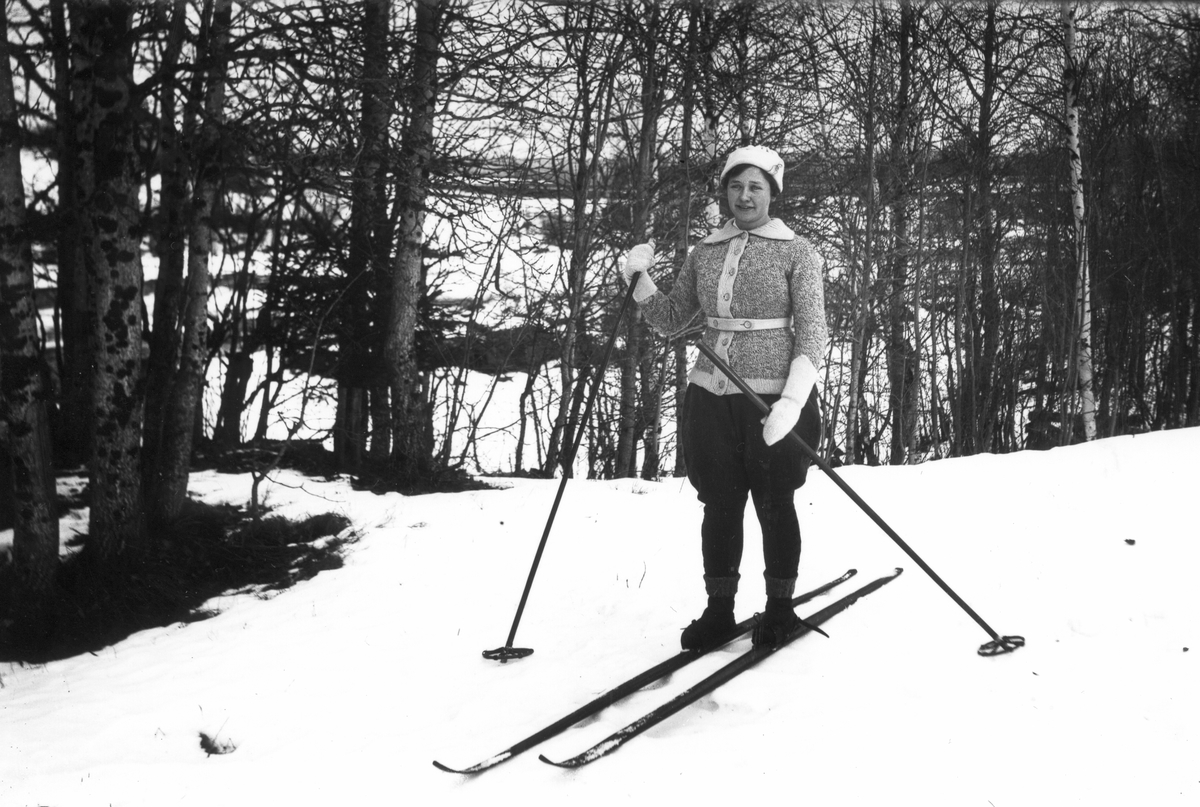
{"x":637,"y":265}
{"x":785,"y":413}
{"x":638,"y":260}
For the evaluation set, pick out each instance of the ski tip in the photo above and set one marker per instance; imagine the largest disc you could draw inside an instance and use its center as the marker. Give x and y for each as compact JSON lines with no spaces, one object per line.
{"x":491,"y":762}
{"x":568,"y":764}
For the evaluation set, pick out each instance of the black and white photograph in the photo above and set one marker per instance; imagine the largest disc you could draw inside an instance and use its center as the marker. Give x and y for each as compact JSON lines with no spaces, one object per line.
{"x":593,"y":402}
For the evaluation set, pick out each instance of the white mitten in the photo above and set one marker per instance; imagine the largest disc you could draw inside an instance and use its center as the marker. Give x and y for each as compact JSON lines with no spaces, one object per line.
{"x":785,"y":413}
{"x":637,"y":263}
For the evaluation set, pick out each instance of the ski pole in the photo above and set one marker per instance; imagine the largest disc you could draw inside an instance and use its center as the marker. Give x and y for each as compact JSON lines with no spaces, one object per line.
{"x":999,"y":644}
{"x":503,"y":654}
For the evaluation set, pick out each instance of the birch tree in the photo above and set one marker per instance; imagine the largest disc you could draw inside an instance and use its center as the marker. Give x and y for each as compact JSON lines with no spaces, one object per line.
{"x":411,"y":441}
{"x":24,"y":422}
{"x":1072,"y":80}
{"x":112,"y":233}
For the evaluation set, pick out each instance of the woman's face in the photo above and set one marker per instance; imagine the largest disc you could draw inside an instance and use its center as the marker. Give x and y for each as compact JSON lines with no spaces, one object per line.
{"x":749,"y":195}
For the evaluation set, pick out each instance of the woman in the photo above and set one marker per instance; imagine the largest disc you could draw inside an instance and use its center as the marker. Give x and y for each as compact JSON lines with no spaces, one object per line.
{"x":760,"y":288}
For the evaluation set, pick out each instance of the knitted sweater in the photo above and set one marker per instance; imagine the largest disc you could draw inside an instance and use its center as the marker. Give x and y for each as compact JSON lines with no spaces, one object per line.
{"x":766,"y":273}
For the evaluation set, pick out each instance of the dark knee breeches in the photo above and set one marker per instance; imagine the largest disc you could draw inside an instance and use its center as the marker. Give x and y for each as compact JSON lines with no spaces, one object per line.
{"x":728,"y":462}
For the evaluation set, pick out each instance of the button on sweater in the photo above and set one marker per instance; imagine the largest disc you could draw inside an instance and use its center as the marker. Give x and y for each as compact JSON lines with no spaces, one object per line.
{"x":765,"y":273}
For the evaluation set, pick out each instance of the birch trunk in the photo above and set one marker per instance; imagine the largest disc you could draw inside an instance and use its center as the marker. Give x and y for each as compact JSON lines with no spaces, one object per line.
{"x":24,"y":429}
{"x":1083,"y":306}
{"x":411,"y":448}
{"x":113,"y":242}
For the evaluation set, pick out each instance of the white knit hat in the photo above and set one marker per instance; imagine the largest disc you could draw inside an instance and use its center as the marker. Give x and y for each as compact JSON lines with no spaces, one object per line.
{"x":758,"y":156}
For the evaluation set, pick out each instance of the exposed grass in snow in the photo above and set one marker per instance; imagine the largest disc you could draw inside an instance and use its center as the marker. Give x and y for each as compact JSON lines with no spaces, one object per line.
{"x":210,"y":550}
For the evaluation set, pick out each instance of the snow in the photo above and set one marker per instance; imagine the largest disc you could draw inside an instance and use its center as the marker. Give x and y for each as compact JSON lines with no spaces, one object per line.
{"x":344,"y":689}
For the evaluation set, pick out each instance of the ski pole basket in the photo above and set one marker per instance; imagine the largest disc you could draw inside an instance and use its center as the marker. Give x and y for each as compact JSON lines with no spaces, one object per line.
{"x":1002,"y":645}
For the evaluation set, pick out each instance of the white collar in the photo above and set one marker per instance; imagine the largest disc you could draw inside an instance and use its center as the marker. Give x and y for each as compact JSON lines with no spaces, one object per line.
{"x":774,"y":229}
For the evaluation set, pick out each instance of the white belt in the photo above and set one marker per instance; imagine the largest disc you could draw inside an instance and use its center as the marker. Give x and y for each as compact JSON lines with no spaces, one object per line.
{"x":730,"y":324}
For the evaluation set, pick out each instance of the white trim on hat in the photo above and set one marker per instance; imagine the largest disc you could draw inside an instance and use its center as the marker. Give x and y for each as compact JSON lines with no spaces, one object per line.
{"x":760,"y":157}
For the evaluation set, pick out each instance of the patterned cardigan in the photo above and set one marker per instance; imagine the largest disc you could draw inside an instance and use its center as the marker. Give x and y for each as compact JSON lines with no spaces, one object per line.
{"x":766,"y":273}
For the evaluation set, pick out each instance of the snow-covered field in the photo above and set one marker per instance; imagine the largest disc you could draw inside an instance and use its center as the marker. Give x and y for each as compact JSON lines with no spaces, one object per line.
{"x":344,"y":689}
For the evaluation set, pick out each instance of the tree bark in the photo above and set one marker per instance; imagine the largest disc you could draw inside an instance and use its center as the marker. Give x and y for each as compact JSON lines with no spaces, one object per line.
{"x":24,"y":423}
{"x":172,"y":243}
{"x":411,"y":448}
{"x":1072,"y":79}
{"x":594,"y":63}
{"x":986,"y":341}
{"x":359,"y":351}
{"x":74,"y":305}
{"x":682,"y":241}
{"x":901,"y":357}
{"x":112,"y":234}
{"x":857,"y":427}
{"x":639,"y":339}
{"x":178,"y":431}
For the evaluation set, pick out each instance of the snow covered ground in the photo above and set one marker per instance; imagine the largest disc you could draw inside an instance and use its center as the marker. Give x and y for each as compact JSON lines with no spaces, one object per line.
{"x":344,"y":689}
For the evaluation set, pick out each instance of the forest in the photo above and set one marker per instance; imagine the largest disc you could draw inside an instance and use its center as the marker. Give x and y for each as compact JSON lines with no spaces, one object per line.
{"x":218,"y":218}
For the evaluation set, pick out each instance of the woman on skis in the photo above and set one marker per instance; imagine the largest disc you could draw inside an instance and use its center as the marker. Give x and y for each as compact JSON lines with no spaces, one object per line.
{"x":759,"y":287}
